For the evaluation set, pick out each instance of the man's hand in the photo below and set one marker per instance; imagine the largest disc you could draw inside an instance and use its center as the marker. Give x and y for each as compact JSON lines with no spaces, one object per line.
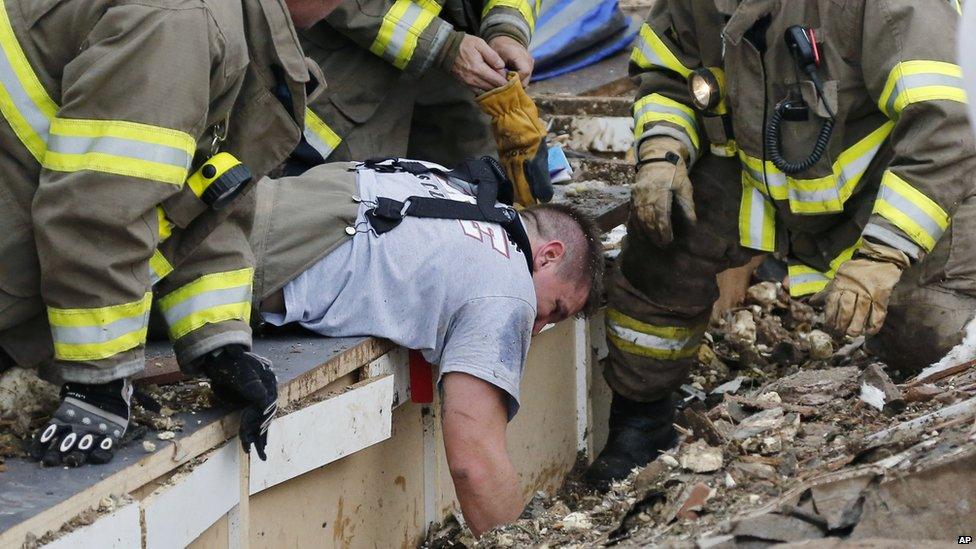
{"x":856,"y":301}
{"x":662,"y":179}
{"x":241,"y":378}
{"x":515,"y":56}
{"x":475,"y":418}
{"x":478,"y":66}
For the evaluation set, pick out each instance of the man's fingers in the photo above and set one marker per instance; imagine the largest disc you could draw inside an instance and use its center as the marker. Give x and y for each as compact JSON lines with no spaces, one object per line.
{"x":490,"y":56}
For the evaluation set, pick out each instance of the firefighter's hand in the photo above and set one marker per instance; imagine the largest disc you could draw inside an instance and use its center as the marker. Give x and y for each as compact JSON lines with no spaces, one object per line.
{"x":478,"y":66}
{"x":241,"y":378}
{"x":516,"y":57}
{"x":662,"y":179}
{"x":856,"y":301}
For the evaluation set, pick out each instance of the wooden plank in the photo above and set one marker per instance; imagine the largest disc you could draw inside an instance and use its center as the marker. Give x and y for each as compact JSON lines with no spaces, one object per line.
{"x":75,"y":490}
{"x":175,"y":515}
{"x":326,"y":431}
{"x":397,"y":364}
{"x":238,"y":517}
{"x":581,"y":358}
{"x":119,"y":529}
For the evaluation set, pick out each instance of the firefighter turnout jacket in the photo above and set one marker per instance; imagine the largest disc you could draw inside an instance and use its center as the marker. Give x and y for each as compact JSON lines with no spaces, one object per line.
{"x":900,"y":158}
{"x":373,"y":50}
{"x":108,"y":106}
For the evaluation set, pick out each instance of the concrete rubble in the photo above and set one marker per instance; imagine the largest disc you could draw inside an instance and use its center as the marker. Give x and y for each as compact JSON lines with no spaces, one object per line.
{"x":795,"y":447}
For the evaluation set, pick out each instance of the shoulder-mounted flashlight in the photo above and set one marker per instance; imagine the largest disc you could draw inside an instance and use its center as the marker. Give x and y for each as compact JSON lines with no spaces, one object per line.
{"x":221,"y":178}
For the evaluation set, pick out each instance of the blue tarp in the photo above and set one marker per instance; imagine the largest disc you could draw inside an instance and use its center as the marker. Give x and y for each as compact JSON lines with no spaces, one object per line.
{"x":571,"y":34}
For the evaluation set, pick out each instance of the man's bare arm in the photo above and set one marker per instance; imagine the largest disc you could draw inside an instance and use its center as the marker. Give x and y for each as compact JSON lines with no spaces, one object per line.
{"x":474,"y":420}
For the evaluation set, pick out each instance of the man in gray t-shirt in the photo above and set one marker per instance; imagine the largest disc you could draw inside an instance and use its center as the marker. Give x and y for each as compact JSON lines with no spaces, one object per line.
{"x":461,"y":293}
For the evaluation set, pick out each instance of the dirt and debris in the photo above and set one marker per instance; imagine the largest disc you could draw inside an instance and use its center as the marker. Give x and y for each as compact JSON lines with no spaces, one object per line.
{"x":107,"y":505}
{"x":786,"y":448}
{"x":26,"y":402}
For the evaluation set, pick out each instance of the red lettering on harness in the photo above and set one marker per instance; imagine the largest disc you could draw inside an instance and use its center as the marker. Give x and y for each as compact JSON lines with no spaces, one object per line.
{"x":496,"y":236}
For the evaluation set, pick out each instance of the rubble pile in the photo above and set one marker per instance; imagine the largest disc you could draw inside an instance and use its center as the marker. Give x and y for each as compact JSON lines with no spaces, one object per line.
{"x":795,"y":441}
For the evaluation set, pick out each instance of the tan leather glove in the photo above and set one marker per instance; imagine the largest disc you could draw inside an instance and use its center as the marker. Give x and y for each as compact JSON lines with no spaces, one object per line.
{"x":856,"y":301}
{"x":662,"y":179}
{"x":521,"y":140}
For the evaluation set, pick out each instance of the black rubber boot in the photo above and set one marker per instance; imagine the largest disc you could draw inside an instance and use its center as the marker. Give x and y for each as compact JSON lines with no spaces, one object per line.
{"x":639,"y":432}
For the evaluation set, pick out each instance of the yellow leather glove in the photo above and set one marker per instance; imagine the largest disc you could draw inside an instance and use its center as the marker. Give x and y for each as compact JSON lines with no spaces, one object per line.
{"x":856,"y":301}
{"x":662,"y":178}
{"x":521,"y":140}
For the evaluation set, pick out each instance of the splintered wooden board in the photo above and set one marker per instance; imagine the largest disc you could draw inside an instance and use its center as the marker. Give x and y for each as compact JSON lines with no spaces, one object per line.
{"x":326,"y":431}
{"x":303,"y":365}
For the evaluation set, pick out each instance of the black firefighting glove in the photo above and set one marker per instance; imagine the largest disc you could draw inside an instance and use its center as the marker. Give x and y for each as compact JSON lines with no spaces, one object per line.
{"x":243,"y":379}
{"x":87,"y":427}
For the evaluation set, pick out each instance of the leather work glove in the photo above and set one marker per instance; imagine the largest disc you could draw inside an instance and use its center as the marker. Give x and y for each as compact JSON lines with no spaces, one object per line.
{"x":86,"y":427}
{"x":856,"y":301}
{"x":521,"y":140}
{"x":662,"y":179}
{"x":241,"y":378}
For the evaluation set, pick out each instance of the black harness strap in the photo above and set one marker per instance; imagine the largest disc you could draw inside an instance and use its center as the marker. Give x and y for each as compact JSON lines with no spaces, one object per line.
{"x":388,"y":213}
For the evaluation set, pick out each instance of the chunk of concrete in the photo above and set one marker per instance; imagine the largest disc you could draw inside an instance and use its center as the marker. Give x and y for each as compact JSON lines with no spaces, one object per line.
{"x":699,"y":457}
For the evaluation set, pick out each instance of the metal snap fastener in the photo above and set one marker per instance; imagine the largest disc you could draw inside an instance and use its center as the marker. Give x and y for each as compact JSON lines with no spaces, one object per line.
{"x":350,"y":231}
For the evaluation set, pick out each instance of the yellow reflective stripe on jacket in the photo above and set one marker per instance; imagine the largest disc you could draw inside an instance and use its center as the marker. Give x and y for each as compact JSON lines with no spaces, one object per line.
{"x":159,"y":267}
{"x":527,"y":8}
{"x":662,"y":342}
{"x":823,"y":194}
{"x":658,"y":108}
{"x":651,"y":52}
{"x":403,"y":23}
{"x":917,"y":215}
{"x":97,"y":333}
{"x":319,"y":135}
{"x":914,"y":81}
{"x":212,"y":298}
{"x":120,"y":147}
{"x":24,"y":102}
{"x":757,"y":219}
{"x":805,"y":280}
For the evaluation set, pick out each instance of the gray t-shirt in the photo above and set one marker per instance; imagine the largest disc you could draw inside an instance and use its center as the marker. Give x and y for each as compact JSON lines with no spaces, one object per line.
{"x":458,"y":291}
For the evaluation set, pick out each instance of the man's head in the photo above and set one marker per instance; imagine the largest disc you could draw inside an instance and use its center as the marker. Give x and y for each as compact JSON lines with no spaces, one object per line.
{"x":567,"y":258}
{"x":305,"y":13}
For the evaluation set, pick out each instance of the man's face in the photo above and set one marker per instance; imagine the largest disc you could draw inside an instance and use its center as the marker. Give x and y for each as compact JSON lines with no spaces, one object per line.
{"x":305,"y":13}
{"x":557,"y":297}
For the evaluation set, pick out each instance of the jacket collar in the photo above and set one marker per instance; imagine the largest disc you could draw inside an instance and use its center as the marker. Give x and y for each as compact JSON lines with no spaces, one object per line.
{"x":744,"y":14}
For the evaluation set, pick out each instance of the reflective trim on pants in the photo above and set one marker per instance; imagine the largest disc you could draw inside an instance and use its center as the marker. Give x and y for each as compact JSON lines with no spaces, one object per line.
{"x":757,"y":219}
{"x":910,"y":210}
{"x":662,"y":342}
{"x":918,"y":80}
{"x":402,"y":25}
{"x":212,"y":298}
{"x":98,"y":333}
{"x":805,"y":280}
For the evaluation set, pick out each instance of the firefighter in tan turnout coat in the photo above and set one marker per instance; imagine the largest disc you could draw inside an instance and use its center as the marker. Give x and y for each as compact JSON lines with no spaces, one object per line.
{"x":128,"y":129}
{"x":403,"y":75}
{"x":834,"y":133}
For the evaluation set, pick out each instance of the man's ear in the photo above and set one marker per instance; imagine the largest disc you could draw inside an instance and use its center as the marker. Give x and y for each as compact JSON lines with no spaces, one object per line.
{"x":550,"y":253}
